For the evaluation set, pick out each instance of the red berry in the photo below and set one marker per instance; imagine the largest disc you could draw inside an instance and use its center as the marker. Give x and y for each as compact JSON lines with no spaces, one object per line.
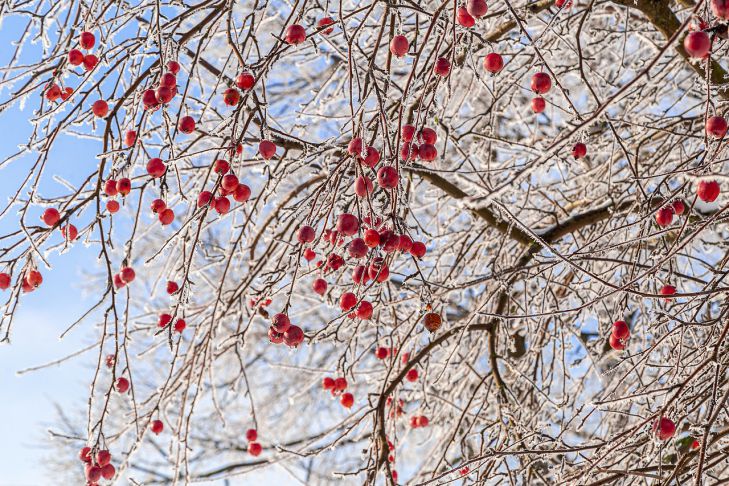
{"x":579,"y":150}
{"x":399,"y":45}
{"x":678,"y":207}
{"x":274,"y":336}
{"x":280,"y":322}
{"x":405,"y":243}
{"x":697,"y":44}
{"x":231,"y":97}
{"x":157,"y":427}
{"x":103,"y":457}
{"x":75,"y":57}
{"x":295,"y":34}
{"x":617,"y":343}
{"x":347,"y":400}
{"x":427,"y":152}
{"x":130,"y":137}
{"x":493,"y":62}
{"x":245,"y":81}
{"x":323,"y":22}
{"x":187,"y":124}
{"x":355,"y":146}
{"x":668,"y":290}
{"x":173,"y":67}
{"x":122,"y":385}
{"x":407,"y":133}
{"x":340,"y":384}
{"x":708,"y":191}
{"x":432,"y":321}
{"x":293,"y":337}
{"x":408,"y":151}
{"x":360,"y":275}
{"x":53,"y":92}
{"x":371,"y":238}
{"x":4,"y":281}
{"x":620,"y":330}
{"x":85,"y":454}
{"x":378,"y":270}
{"x":156,"y":168}
{"x":127,"y":274}
{"x":411,"y":375}
{"x":164,"y":320}
{"x":254,"y":449}
{"x":222,"y":205}
{"x":241,"y":193}
{"x":364,"y":310}
{"x":180,"y":325}
{"x":720,"y":8}
{"x":442,"y":67}
{"x":169,"y":80}
{"x":229,"y":182}
{"x":204,"y":198}
{"x":541,"y":83}
{"x":100,"y":108}
{"x":423,"y":421}
{"x":477,"y":8}
{"x":464,"y":18}
{"x":372,"y":156}
{"x":70,"y":232}
{"x":363,"y":186}
{"x":347,"y":224}
{"x":93,"y":473}
{"x":387,"y":177}
{"x":251,"y":435}
{"x":163,"y":94}
{"x":172,"y":287}
{"x":538,"y":104}
{"x":158,"y":205}
{"x":716,"y":127}
{"x":124,"y":186}
{"x":86,"y":40}
{"x":327,"y":383}
{"x":664,"y":428}
{"x":149,"y":99}
{"x":664,"y":216}
{"x":347,"y":301}
{"x":309,"y":255}
{"x":90,"y":61}
{"x":357,"y":248}
{"x":51,"y":216}
{"x":267,"y":149}
{"x":108,"y":471}
{"x":221,"y":166}
{"x":382,"y":353}
{"x":306,"y":234}
{"x":167,"y":216}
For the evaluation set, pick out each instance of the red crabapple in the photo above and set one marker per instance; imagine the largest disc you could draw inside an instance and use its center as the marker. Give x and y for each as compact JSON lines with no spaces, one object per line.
{"x":617,"y":343}
{"x":477,"y":8}
{"x":122,"y":385}
{"x":427,"y":152}
{"x":579,"y":150}
{"x":382,"y":353}
{"x":697,"y":44}
{"x":664,"y":216}
{"x":408,"y":151}
{"x":110,"y":188}
{"x":274,"y":336}
{"x":86,"y":40}
{"x":442,"y":67}
{"x":407,"y":133}
{"x":180,"y":325}
{"x":387,"y":177}
{"x":167,"y":216}
{"x":34,"y":278}
{"x":229,"y":182}
{"x":405,"y":243}
{"x":427,"y":136}
{"x":267,"y":149}
{"x":364,"y":310}
{"x":295,"y":34}
{"x":340,"y":384}
{"x":75,"y":57}
{"x":124,"y":186}
{"x":620,"y":330}
{"x":156,"y":168}
{"x":108,"y":471}
{"x":245,"y":81}
{"x":412,"y":375}
{"x":130,"y":137}
{"x":678,"y":207}
{"x":668,"y":290}
{"x":306,"y":234}
{"x":423,"y":421}
{"x":118,"y":282}
{"x":664,"y":428}
{"x":221,"y":166}
{"x":164,"y":319}
{"x":251,"y":435}
{"x":347,"y":400}
{"x":254,"y":449}
{"x":347,"y":224}
{"x":493,"y":62}
{"x":372,"y":156}
{"x":222,"y":205}
{"x":541,"y":83}
{"x":127,"y":274}
{"x":708,"y":191}
{"x":53,"y":93}
{"x":168,"y":80}
{"x":163,"y":94}
{"x":280,"y":322}
{"x":716,"y":127}
{"x":69,"y":232}
{"x":363,"y":186}
{"x":242,"y":193}
{"x":357,"y":248}
{"x":371,"y":238}
{"x":347,"y":301}
{"x":432,"y":321}
{"x":157,"y":427}
{"x":100,"y":108}
{"x":204,"y":198}
{"x":149,"y":99}
{"x":85,"y":454}
{"x":172,"y":287}
{"x":319,"y":286}
{"x":355,"y":146}
{"x":464,"y":18}
{"x":51,"y":216}
{"x":378,"y":270}
{"x":103,"y":457}
{"x":293,"y":337}
{"x":360,"y":275}
{"x":187,"y":124}
{"x":324,"y":22}
{"x":93,"y":473}
{"x":309,"y":255}
{"x":4,"y":281}
{"x":399,"y":45}
{"x":173,"y":67}
{"x":90,"y":61}
{"x":538,"y":104}
{"x":231,"y":97}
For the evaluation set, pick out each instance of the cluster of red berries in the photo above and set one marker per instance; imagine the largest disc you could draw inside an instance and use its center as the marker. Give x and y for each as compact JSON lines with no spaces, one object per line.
{"x":254,"y":448}
{"x":337,"y":386}
{"x":97,"y":466}
{"x":619,"y":335}
{"x":75,"y":58}
{"x":166,"y":90}
{"x":664,"y":428}
{"x":424,"y":149}
{"x":395,"y":411}
{"x":474,"y":9}
{"x":165,"y":319}
{"x":228,"y":185}
{"x":282,"y":331}
{"x":112,"y":188}
{"x":417,"y":421}
{"x":29,"y":282}
{"x":125,"y":276}
{"x":664,"y":216}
